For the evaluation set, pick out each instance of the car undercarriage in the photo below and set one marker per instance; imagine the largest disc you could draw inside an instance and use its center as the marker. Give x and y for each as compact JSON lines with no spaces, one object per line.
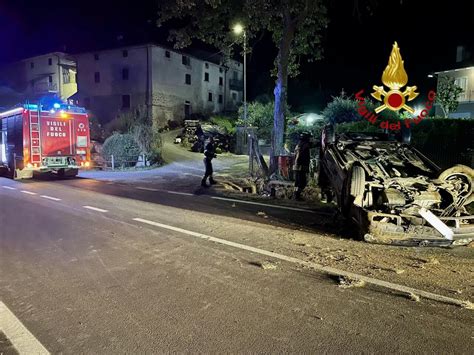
{"x":396,"y":195}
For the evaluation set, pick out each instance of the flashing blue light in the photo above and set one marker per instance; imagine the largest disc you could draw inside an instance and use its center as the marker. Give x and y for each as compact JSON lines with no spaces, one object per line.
{"x":56,"y":105}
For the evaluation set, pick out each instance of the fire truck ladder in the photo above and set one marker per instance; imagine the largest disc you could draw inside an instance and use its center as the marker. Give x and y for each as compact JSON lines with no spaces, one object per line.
{"x":35,"y":136}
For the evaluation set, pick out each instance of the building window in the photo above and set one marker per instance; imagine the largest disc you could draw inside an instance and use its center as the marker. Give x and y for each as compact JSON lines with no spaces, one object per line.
{"x":462,"y":83}
{"x":97,"y":77}
{"x":206,"y":76}
{"x":221,"y":70}
{"x":236,"y":75}
{"x":221,"y":99}
{"x":221,"y":81}
{"x":87,"y":102}
{"x":125,"y":101}
{"x":206,"y":65}
{"x":66,"y":77}
{"x":32,"y":65}
{"x":96,"y":56}
{"x":187,"y":79}
{"x":50,"y":61}
{"x":125,"y":73}
{"x":167,"y":54}
{"x":187,"y":109}
{"x":234,"y":96}
{"x":125,"y":53}
{"x":209,"y":97}
{"x":50,"y":78}
{"x":185,"y":60}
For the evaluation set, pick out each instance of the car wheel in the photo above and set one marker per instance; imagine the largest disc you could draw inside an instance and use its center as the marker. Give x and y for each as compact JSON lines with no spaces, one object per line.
{"x":466,"y":174}
{"x":357,"y":181}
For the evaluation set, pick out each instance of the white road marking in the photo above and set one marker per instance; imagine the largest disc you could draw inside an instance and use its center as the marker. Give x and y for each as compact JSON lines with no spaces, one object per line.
{"x":95,"y":209}
{"x":146,"y":188}
{"x":312,"y":265}
{"x":8,"y":187}
{"x":50,"y":198}
{"x":265,"y":204}
{"x":21,"y":338}
{"x":28,"y":192}
{"x":179,"y":193}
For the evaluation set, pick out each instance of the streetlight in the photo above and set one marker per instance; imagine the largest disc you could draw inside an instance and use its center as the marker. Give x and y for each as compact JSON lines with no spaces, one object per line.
{"x":239,"y":29}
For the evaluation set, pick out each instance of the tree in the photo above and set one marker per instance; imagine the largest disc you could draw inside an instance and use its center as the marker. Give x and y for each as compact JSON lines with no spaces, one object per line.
{"x":448,"y":95}
{"x":295,"y":25}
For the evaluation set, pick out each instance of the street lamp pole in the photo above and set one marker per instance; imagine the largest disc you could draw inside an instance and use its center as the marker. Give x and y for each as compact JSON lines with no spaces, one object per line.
{"x":245,"y":79}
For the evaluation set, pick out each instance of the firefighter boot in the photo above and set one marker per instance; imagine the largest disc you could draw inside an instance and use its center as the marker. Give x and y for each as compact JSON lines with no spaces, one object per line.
{"x":203,"y":183}
{"x":212,"y":181}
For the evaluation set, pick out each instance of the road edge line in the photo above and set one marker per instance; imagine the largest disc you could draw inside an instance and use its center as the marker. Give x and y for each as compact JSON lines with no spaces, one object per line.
{"x":22,"y":339}
{"x":324,"y":269}
{"x":265,"y":205}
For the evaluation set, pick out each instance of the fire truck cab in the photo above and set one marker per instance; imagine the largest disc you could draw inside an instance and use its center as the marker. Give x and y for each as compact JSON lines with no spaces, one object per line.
{"x":37,"y":138}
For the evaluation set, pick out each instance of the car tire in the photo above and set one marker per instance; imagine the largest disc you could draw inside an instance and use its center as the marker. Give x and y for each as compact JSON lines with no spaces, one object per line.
{"x":465,"y":171}
{"x":357,"y":181}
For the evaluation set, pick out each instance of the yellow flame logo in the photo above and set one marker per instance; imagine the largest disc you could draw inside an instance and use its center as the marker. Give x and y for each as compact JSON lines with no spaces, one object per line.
{"x":395,"y":77}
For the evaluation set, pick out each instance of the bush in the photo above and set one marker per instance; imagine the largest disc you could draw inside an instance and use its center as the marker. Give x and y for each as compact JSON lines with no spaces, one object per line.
{"x":345,"y":109}
{"x":123,"y":147}
{"x":261,"y":116}
{"x":227,"y":123}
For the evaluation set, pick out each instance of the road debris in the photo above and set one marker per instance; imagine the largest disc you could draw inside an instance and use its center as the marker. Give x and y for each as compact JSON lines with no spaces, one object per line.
{"x":414,"y":297}
{"x":347,"y":282}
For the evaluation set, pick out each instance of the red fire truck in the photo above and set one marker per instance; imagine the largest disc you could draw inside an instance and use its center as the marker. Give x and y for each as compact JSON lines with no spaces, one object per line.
{"x":36,"y":138}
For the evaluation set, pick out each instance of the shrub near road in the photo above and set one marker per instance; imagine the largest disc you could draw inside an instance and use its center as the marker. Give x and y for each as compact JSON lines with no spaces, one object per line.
{"x":124,"y":149}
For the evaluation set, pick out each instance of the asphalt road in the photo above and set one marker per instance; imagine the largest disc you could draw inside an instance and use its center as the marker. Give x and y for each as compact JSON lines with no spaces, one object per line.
{"x":96,"y":267}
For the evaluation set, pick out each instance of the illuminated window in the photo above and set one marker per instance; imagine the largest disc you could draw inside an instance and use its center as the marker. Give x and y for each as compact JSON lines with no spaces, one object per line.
{"x":462,"y":83}
{"x":206,"y":76}
{"x":125,"y":101}
{"x":188,"y":79}
{"x":66,"y":77}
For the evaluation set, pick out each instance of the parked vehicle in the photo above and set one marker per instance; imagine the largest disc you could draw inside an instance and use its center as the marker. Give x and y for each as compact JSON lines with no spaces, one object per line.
{"x":36,"y":138}
{"x":393,"y":193}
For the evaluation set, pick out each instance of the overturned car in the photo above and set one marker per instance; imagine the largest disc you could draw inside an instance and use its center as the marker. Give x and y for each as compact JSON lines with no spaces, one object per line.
{"x":395,"y":194}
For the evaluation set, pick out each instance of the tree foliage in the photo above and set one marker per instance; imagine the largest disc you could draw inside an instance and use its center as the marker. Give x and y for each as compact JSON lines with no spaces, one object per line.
{"x":260,"y":115}
{"x":296,"y":28}
{"x":448,"y":95}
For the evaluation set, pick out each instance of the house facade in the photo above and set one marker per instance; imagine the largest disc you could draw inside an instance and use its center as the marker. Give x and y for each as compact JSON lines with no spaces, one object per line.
{"x":463,"y":75}
{"x":51,"y":74}
{"x":464,"y":78}
{"x":167,"y":84}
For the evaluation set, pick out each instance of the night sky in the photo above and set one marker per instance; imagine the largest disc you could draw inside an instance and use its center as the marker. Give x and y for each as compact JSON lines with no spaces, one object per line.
{"x":356,"y":50}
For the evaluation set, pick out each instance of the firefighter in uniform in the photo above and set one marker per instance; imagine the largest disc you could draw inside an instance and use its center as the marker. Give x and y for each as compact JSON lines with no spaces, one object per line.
{"x":209,"y":154}
{"x":301,"y":165}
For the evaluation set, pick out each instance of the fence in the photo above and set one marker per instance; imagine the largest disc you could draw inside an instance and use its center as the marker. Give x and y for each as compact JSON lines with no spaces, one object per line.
{"x":124,"y":162}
